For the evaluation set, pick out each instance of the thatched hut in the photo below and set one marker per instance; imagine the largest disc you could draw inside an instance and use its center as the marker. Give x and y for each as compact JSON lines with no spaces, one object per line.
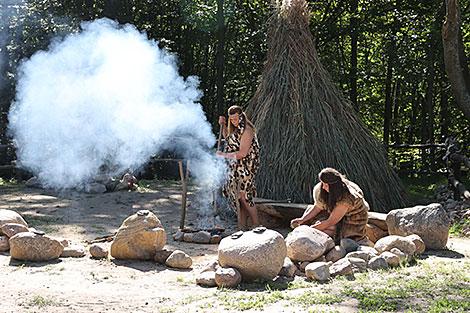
{"x":304,"y":123}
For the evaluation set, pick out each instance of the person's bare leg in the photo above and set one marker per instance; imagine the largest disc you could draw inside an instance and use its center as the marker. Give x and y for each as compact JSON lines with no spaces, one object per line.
{"x":252,"y":211}
{"x":241,"y":217}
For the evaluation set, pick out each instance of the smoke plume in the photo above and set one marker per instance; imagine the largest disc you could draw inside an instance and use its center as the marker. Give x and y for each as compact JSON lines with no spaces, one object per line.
{"x":107,"y":95}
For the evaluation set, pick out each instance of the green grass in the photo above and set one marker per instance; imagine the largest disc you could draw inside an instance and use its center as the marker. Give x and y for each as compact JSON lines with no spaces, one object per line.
{"x":41,"y":302}
{"x":457,"y":229}
{"x":422,"y":188}
{"x":444,"y":305}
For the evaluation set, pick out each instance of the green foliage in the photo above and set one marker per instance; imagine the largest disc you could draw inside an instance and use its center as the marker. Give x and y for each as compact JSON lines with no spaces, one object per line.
{"x":460,"y":228}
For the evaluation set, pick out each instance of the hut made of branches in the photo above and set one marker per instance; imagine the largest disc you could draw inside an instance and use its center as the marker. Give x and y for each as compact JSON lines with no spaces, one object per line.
{"x":304,"y":123}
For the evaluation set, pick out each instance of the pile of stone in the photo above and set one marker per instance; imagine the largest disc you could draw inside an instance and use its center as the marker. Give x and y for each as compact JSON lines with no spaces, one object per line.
{"x":142,"y":237}
{"x":458,"y":210}
{"x":28,"y":244}
{"x":210,"y":236}
{"x":264,"y":254}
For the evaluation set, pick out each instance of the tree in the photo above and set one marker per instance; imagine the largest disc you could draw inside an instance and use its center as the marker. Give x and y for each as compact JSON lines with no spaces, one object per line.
{"x":454,"y":56}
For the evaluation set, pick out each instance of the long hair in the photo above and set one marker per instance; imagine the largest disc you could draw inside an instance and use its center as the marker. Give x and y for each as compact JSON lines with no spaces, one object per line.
{"x":243,"y":120}
{"x":338,"y":187}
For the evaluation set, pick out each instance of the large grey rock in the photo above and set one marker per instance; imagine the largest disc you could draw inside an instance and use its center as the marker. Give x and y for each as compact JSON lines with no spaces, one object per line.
{"x":33,"y":247}
{"x":341,"y":267}
{"x":255,"y":254}
{"x":401,"y":256}
{"x":319,"y":271}
{"x":404,"y":244}
{"x":11,"y":229}
{"x":9,"y":216}
{"x":95,"y":188}
{"x":4,"y":244}
{"x":429,"y":222}
{"x":139,"y":237}
{"x":305,"y":243}
{"x":179,"y":259}
{"x":227,"y":277}
{"x":335,"y":254}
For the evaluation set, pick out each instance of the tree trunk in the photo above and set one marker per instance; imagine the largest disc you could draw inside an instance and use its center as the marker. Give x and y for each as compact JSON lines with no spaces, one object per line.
{"x":353,"y":72}
{"x":455,"y":58}
{"x":388,"y":98}
{"x":444,"y":113}
{"x":396,"y":113}
{"x":219,"y":59}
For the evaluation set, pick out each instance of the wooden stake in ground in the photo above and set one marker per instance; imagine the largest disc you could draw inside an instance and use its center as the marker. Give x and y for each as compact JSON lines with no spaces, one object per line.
{"x":184,"y":192}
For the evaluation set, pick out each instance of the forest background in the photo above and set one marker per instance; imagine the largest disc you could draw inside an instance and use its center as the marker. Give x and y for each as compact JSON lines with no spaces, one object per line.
{"x":386,"y":56}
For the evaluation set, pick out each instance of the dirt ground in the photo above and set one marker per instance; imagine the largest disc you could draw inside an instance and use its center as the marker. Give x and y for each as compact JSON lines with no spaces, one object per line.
{"x":87,"y":285}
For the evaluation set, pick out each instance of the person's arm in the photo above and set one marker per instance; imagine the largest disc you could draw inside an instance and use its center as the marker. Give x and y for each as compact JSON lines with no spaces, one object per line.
{"x":311,"y":211}
{"x":336,"y":215}
{"x":245,"y":146}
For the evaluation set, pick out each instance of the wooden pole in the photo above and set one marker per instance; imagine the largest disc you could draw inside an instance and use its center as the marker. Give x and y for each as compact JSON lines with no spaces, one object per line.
{"x":214,"y":193}
{"x":184,"y":192}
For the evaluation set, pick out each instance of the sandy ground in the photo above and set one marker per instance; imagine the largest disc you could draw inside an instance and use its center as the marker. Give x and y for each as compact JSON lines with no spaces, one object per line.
{"x":87,"y":285}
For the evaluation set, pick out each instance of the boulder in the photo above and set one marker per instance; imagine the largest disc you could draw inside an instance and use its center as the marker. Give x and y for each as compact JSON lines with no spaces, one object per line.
{"x":34,"y":247}
{"x":206,"y":279}
{"x":178,"y":236}
{"x":429,"y":222}
{"x":4,"y":244}
{"x":341,"y":267}
{"x":419,"y":243}
{"x":305,"y":243}
{"x":404,"y":244}
{"x":377,"y":263}
{"x":401,"y":256}
{"x":11,"y":229}
{"x":179,"y":259}
{"x":288,"y":268}
{"x":303,"y":265}
{"x":73,"y":251}
{"x":256,"y":254}
{"x":369,"y":250}
{"x":319,"y":271}
{"x":215,"y":239}
{"x":139,"y":237}
{"x":99,"y":250}
{"x":335,"y":254}
{"x":9,"y":216}
{"x":227,"y":277}
{"x":374,"y":233}
{"x":348,"y":245}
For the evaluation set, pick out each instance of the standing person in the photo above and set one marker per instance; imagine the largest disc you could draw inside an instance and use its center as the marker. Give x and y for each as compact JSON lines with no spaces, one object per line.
{"x":242,"y":149}
{"x":344,"y":204}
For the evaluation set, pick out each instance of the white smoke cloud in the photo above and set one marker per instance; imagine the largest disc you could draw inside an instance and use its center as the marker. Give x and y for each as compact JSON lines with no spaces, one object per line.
{"x":107,"y":95}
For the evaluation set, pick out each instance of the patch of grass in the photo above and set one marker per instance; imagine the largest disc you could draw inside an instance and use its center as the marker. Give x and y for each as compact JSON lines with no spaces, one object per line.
{"x":458,"y":229}
{"x":309,"y":298}
{"x":41,"y":302}
{"x":8,"y":182}
{"x":444,"y":305}
{"x":256,"y":301}
{"x":422,"y":188}
{"x":299,"y":284}
{"x":167,"y":309}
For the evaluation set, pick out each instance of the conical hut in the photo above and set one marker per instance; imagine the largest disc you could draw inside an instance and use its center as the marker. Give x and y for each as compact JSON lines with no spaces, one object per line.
{"x":304,"y":123}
